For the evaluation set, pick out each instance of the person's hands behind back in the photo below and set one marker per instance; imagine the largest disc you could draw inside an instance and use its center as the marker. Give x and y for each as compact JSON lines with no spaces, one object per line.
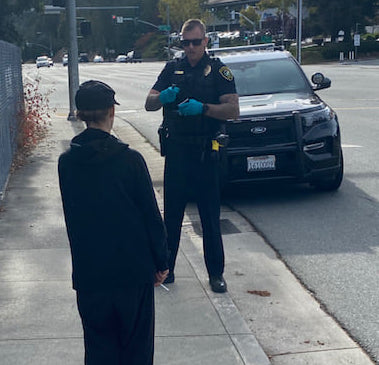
{"x":168,"y":95}
{"x":191,"y":107}
{"x":160,"y":277}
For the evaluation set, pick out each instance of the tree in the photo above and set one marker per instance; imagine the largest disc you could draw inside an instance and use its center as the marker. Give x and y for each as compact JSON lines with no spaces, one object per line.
{"x":330,"y":16}
{"x":251,"y":14}
{"x":281,"y":24}
{"x":180,"y":11}
{"x":281,"y":5}
{"x":10,"y":10}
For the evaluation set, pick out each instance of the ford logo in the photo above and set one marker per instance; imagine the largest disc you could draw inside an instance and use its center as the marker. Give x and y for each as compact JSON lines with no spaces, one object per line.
{"x":258,"y":130}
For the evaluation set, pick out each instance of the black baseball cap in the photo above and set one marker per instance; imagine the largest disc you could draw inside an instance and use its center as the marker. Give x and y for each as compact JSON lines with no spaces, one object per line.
{"x":94,"y":95}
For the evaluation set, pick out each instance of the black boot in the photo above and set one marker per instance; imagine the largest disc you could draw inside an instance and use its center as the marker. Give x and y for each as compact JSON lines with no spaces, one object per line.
{"x":218,"y":284}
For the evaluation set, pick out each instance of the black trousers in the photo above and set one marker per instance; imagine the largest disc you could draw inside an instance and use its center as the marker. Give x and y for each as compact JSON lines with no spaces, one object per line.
{"x":189,"y":174}
{"x":118,"y":326}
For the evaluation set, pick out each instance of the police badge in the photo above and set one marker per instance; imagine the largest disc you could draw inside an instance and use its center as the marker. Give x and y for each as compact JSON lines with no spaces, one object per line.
{"x":226,"y":73}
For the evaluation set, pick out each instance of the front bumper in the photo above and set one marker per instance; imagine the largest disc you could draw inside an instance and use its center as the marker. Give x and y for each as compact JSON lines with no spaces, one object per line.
{"x":305,"y":156}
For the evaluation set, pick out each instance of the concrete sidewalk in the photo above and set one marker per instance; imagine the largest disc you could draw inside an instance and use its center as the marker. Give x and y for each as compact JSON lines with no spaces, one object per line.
{"x":38,"y":315}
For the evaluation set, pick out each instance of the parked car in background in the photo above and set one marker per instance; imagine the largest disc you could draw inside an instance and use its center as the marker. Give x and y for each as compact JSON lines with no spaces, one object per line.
{"x":285,"y":131}
{"x":98,"y":59}
{"x":122,"y":58}
{"x":134,"y":57}
{"x":83,"y":57}
{"x":65,"y":60}
{"x":42,"y":61}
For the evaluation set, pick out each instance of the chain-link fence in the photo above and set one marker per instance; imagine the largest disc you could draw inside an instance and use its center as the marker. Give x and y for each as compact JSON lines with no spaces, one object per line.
{"x":11,"y":104}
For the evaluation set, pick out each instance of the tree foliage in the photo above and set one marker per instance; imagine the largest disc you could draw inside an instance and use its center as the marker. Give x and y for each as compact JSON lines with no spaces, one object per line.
{"x":180,"y":11}
{"x":328,"y":17}
{"x":281,"y":5}
{"x":19,"y":24}
{"x":251,"y":14}
{"x":10,"y":9}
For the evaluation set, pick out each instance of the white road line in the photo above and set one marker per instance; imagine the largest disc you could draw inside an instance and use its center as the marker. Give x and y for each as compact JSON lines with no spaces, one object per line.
{"x":351,"y":146}
{"x":126,"y":111}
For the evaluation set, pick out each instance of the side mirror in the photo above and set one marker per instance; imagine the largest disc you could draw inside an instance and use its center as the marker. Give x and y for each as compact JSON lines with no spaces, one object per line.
{"x":320,"y":81}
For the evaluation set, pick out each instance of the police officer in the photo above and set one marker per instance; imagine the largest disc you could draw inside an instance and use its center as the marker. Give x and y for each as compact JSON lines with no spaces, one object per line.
{"x":197,"y":94}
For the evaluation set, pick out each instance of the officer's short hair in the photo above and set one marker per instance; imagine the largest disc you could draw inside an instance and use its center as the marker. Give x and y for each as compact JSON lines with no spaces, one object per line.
{"x":190,"y":24}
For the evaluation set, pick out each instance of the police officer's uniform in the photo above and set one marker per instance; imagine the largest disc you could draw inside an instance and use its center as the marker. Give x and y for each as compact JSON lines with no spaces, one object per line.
{"x":191,"y":165}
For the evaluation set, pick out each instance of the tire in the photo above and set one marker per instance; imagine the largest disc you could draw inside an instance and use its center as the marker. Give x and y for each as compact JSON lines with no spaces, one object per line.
{"x":333,"y":183}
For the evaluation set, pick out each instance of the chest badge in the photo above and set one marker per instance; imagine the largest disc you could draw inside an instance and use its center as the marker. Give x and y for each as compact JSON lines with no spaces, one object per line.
{"x":207,"y":70}
{"x":226,"y":73}
{"x":179,"y":72}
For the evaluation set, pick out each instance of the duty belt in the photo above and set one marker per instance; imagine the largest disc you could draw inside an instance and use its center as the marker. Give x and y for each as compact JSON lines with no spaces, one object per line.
{"x":197,"y":140}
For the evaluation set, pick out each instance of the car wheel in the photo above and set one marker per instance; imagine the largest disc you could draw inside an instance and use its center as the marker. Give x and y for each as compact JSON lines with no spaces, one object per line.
{"x":333,"y":183}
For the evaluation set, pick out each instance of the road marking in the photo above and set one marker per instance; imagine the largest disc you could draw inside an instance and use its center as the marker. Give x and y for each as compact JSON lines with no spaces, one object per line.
{"x":359,"y":108}
{"x":126,"y":111}
{"x":351,"y":146}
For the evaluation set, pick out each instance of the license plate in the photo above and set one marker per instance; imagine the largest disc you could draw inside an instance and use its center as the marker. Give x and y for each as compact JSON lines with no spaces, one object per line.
{"x":261,"y":163}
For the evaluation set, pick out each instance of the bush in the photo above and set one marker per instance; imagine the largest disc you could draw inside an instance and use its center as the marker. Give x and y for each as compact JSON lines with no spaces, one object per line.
{"x":35,"y":117}
{"x":331,"y":51}
{"x":368,"y":37}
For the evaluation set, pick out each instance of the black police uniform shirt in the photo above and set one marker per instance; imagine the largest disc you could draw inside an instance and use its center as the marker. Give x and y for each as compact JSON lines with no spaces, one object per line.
{"x":206,"y":82}
{"x":116,"y":233}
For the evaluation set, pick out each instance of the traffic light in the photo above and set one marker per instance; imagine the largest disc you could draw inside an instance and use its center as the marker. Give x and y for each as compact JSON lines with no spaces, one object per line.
{"x":60,"y":3}
{"x":114,"y":19}
{"x":85,"y":29}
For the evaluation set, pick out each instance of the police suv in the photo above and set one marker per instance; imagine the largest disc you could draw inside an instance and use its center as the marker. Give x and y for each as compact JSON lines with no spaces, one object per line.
{"x":285,"y":131}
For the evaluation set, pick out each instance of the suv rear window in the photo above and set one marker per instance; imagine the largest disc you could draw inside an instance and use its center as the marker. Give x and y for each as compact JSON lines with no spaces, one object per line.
{"x":268,"y":77}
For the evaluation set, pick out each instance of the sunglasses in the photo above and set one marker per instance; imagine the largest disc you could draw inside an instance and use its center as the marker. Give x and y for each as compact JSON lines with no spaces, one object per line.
{"x":187,"y":42}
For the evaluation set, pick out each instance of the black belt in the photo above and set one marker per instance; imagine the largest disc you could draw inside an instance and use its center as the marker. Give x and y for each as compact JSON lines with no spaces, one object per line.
{"x":197,"y":140}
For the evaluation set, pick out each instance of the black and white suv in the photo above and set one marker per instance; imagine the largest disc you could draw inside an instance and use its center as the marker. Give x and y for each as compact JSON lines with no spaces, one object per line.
{"x":285,"y":131}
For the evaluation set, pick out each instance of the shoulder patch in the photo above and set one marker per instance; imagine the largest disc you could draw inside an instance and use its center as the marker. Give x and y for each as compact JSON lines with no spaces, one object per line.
{"x":226,"y":73}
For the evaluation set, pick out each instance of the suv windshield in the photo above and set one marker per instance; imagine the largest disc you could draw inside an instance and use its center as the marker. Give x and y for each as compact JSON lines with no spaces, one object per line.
{"x":268,"y":77}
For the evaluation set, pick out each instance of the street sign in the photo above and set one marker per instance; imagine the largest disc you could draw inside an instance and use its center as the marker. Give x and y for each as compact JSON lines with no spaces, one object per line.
{"x":164,"y":27}
{"x":357,"y":40}
{"x":120,"y":19}
{"x":49,"y":9}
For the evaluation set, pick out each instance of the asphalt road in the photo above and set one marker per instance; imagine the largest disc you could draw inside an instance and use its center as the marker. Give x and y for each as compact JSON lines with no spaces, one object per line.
{"x":330,"y":241}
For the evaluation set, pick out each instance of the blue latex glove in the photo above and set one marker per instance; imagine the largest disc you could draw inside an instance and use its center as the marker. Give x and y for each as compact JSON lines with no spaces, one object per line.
{"x":169,"y":95}
{"x":191,"y":107}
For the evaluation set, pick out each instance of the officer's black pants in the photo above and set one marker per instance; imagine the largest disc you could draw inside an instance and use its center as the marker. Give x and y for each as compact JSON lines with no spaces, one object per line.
{"x":189,"y":175}
{"x":118,"y":326}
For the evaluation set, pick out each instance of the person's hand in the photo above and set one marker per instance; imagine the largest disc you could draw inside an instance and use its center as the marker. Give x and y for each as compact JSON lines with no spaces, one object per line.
{"x":160,"y":277}
{"x":168,"y":95}
{"x":191,"y":107}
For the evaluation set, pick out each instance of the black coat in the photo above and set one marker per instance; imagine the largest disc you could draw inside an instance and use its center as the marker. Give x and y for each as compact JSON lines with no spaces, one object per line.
{"x":114,"y":226}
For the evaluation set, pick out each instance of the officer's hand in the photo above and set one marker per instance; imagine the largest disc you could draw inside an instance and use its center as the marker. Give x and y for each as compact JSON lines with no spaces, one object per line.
{"x":168,"y":95}
{"x":191,"y":107}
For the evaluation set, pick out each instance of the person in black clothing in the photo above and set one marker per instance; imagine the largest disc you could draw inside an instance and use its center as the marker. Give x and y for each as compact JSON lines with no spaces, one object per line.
{"x":197,"y":94}
{"x":116,"y":234}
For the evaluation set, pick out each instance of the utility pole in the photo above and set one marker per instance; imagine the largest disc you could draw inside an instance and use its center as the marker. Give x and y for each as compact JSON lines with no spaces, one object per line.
{"x":282,"y":22}
{"x":73,"y":69}
{"x":298,"y":29}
